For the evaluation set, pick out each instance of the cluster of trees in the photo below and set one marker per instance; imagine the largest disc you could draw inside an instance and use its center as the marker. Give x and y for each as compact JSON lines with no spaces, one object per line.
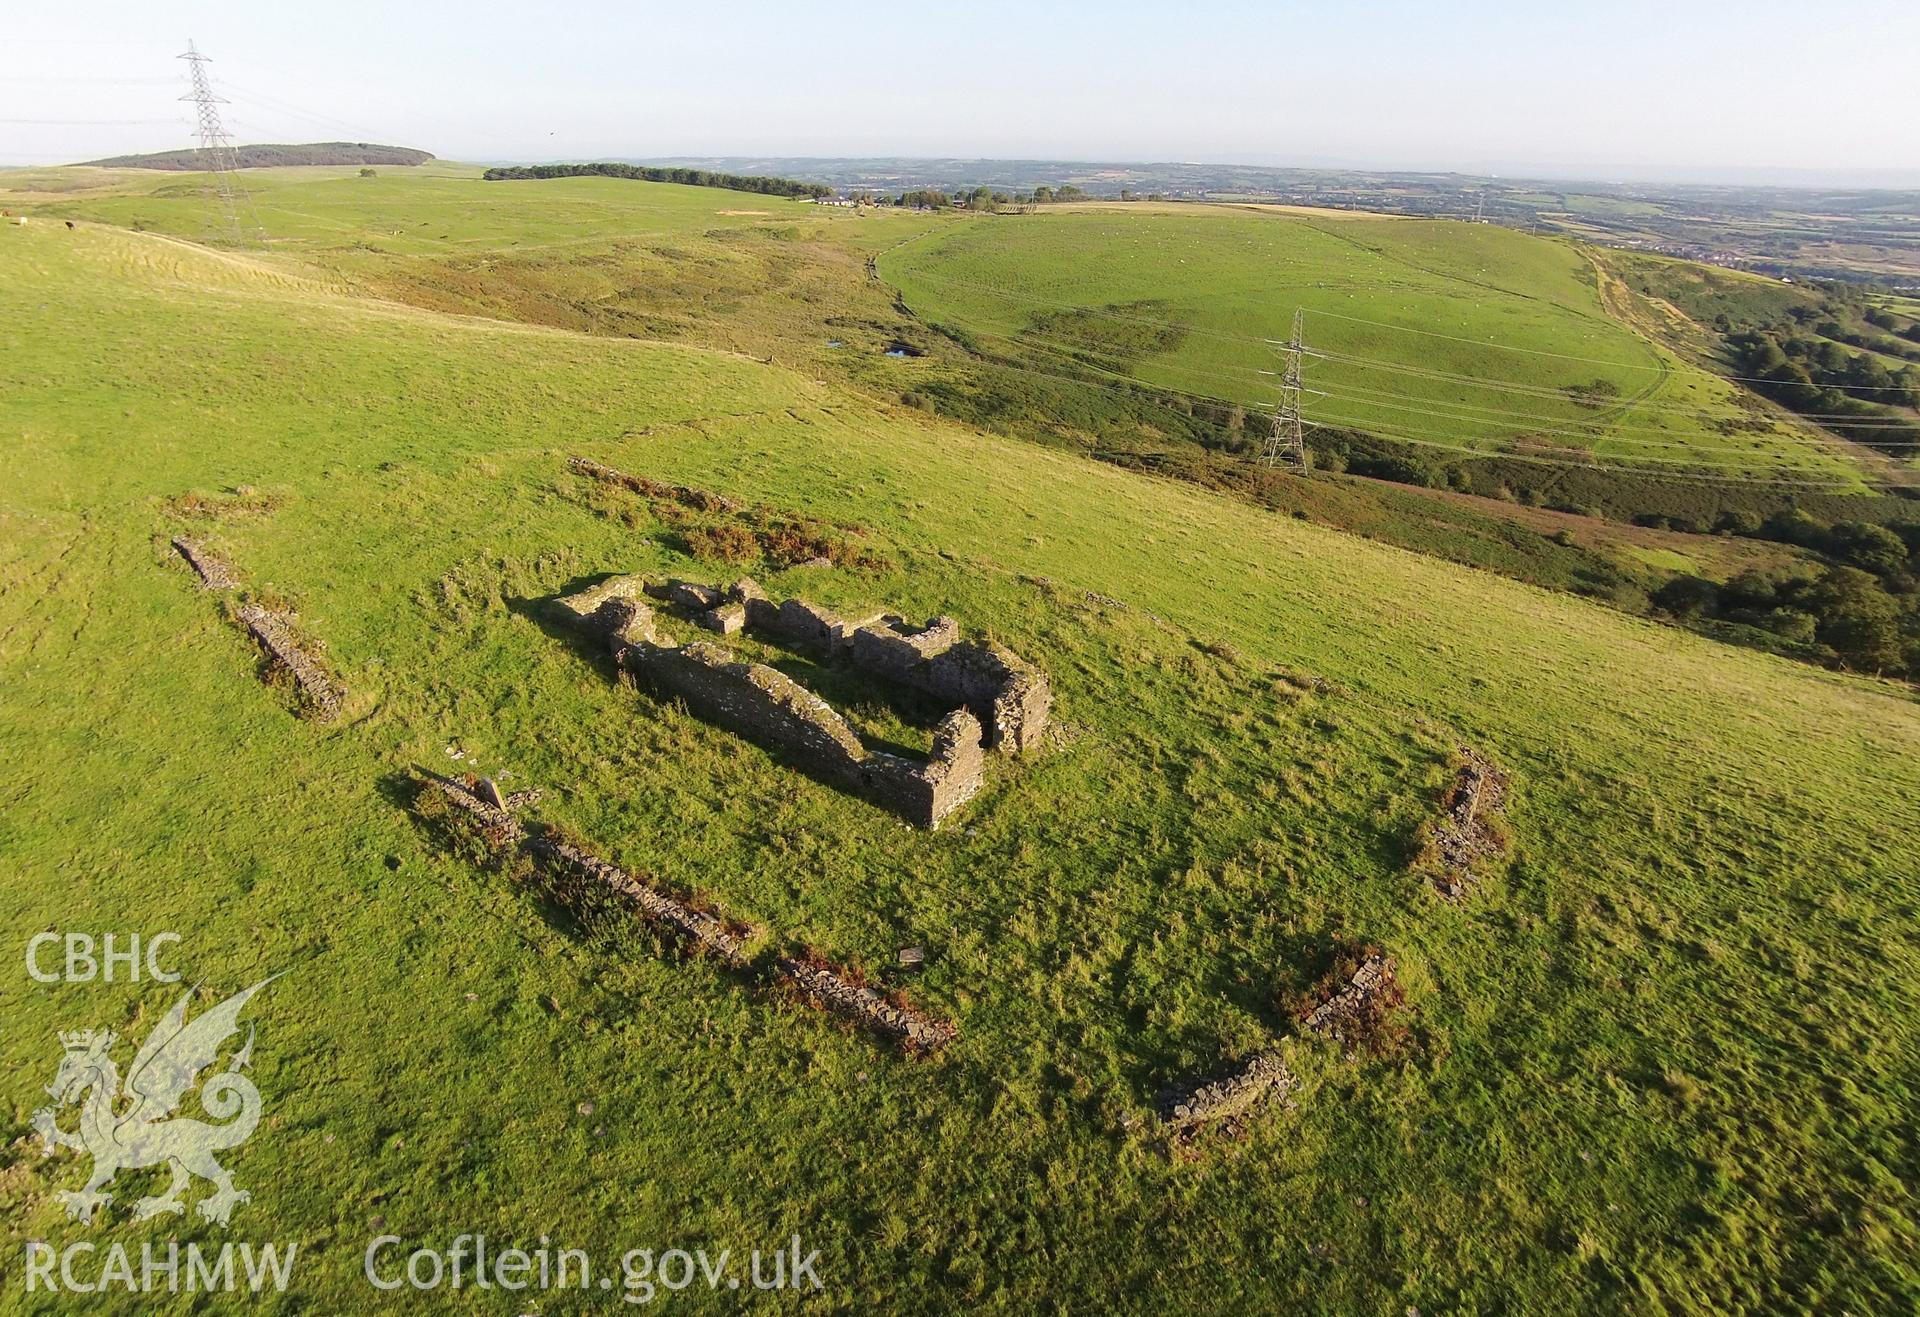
{"x":1801,"y":359}
{"x":1814,"y":373}
{"x":1861,"y":610}
{"x":1879,"y":318}
{"x":773,"y":187}
{"x":986,"y":198}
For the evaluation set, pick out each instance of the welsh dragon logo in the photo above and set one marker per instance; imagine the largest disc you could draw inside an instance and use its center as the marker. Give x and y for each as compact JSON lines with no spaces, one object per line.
{"x":145,"y":1133}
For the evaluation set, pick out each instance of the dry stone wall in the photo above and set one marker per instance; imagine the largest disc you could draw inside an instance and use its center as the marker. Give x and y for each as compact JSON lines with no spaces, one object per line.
{"x":275,"y":634}
{"x":768,"y":707}
{"x":215,"y":572}
{"x":1227,"y":1101}
{"x":830,"y":987}
{"x":1354,"y":1012}
{"x":1010,"y":697}
{"x":834,"y":990}
{"x":271,"y":628}
{"x":1467,"y":839}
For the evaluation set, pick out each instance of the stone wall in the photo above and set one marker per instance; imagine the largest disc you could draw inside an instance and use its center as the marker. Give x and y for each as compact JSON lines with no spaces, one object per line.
{"x":578,"y":874}
{"x":215,"y":572}
{"x":934,"y":789}
{"x":1228,"y":1100}
{"x":570,"y":864}
{"x":1010,"y":697}
{"x":764,"y":705}
{"x":275,"y":634}
{"x":769,"y":708}
{"x":835,"y":991}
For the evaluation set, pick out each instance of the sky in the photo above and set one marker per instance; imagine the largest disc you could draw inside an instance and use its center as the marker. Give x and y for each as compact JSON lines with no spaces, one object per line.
{"x":1813,"y":91}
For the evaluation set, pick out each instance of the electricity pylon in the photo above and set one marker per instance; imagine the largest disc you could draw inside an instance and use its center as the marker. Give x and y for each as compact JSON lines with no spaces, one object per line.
{"x":1286,"y":441}
{"x":216,"y":148}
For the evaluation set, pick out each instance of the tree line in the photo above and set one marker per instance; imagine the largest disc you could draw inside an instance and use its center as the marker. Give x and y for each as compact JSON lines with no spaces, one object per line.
{"x":772,"y":187}
{"x":1860,"y":610}
{"x":1802,"y":360}
{"x":986,"y":198}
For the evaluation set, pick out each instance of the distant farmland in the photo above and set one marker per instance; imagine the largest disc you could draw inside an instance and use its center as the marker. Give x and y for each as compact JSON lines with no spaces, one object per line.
{"x":1445,"y":335}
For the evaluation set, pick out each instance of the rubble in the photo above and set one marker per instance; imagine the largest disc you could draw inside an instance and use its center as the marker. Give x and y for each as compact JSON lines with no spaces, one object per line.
{"x":1225,"y":1101}
{"x":274,"y":632}
{"x":1353,"y":1014}
{"x":581,"y":875}
{"x":835,"y":991}
{"x":1466,"y":836}
{"x":709,"y":932}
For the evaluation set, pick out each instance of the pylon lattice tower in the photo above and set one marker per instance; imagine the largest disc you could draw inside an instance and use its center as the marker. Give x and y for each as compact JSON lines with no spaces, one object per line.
{"x":1286,"y":441}
{"x":216,"y":146}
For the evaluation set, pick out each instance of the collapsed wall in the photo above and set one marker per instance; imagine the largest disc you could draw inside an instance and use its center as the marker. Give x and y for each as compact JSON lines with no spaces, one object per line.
{"x":271,"y":628}
{"x":578,"y":872}
{"x":1225,"y":1101}
{"x":1010,"y":697}
{"x":275,"y":634}
{"x":215,"y":572}
{"x":771,"y":709}
{"x":835,"y":991}
{"x":709,"y":932}
{"x":1354,"y":1013}
{"x":1467,"y":838}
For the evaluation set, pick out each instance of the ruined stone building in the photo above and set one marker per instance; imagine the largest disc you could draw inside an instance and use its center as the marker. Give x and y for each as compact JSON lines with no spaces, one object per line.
{"x":1000,"y":701}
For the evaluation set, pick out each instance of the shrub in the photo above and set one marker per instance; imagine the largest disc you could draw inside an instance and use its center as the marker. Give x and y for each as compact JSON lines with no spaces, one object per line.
{"x":1688,"y":596}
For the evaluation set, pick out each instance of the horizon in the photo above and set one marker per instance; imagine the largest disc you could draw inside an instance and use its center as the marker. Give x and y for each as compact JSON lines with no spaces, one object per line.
{"x":1484,"y":91}
{"x":1839,"y":180}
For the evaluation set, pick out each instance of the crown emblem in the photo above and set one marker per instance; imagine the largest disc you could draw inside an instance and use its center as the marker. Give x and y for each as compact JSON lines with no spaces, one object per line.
{"x":88,"y":1040}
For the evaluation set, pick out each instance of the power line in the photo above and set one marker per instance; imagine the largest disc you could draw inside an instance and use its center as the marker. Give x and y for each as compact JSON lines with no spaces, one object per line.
{"x":1364,"y":398}
{"x":93,"y":123}
{"x":1535,"y":390}
{"x":1562,"y":356}
{"x":1366,"y":425}
{"x":1488,"y":454}
{"x":1613,"y":426}
{"x":1373,"y":363}
{"x":215,"y":145}
{"x":1621,"y":470}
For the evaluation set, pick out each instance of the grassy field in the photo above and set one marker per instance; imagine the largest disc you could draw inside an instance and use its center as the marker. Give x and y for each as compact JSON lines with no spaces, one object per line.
{"x":1666,"y":1062}
{"x":1446,"y":335}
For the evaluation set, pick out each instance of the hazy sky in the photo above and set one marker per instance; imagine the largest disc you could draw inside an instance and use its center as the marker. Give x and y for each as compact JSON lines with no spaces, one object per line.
{"x":1665,"y":89}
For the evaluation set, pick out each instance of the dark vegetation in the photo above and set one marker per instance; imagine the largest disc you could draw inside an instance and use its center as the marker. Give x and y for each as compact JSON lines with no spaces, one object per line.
{"x":1802,"y":356}
{"x":266,"y":155}
{"x":1861,"y":611}
{"x":715,"y":528}
{"x":978,"y":197}
{"x":773,"y":187}
{"x":1828,"y":351}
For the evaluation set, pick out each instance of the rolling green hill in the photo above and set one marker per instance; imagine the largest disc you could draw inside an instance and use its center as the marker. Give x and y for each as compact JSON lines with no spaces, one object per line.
{"x":264,"y":155}
{"x":1447,"y":336}
{"x":1667,"y":1059}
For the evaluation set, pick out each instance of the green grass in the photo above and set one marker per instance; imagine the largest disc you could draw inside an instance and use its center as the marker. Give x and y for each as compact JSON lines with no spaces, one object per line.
{"x":1450,"y":336}
{"x":1666,"y":1062}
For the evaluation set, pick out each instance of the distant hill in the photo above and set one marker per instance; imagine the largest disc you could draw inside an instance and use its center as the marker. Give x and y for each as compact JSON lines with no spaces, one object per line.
{"x":266,"y":154}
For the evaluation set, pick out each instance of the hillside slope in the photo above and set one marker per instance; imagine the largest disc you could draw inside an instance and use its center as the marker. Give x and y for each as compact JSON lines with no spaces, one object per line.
{"x":1667,"y":1059}
{"x":1445,"y":336}
{"x":265,"y":155}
